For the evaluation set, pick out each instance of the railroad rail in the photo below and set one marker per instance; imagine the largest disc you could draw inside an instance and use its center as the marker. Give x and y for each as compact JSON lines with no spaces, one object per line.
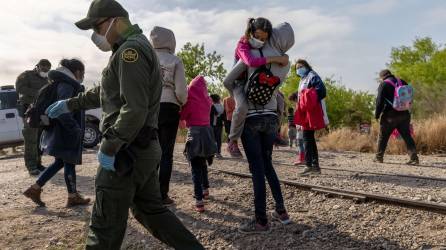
{"x":357,"y":171}
{"x":356,"y":196}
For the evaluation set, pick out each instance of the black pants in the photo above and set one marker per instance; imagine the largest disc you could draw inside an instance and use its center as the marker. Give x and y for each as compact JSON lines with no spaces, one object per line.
{"x":395,"y":120}
{"x":168,"y":121}
{"x":199,"y":176}
{"x":311,"y":152}
{"x":228,"y":128}
{"x":218,"y":130}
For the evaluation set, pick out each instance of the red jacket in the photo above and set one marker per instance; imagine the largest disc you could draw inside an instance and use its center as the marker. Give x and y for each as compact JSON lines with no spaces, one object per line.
{"x":309,"y":113}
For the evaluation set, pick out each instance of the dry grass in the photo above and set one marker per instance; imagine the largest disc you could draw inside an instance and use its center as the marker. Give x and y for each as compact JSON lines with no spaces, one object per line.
{"x":430,"y":137}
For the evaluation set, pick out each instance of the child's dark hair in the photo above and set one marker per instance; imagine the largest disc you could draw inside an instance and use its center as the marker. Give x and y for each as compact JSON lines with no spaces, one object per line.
{"x":290,"y":110}
{"x":258,"y":23}
{"x":73,"y":65}
{"x":304,"y":63}
{"x":215,"y":98}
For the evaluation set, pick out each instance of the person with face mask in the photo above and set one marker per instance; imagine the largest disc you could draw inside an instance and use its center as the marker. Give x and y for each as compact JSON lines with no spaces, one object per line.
{"x":258,"y":32}
{"x":259,"y":132}
{"x":129,"y":155}
{"x":27,"y":86}
{"x":309,"y":79}
{"x":63,"y":139}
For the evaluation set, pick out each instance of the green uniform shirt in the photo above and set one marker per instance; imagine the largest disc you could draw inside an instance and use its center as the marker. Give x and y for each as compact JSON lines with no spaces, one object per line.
{"x":129,"y":94}
{"x":28,"y":85}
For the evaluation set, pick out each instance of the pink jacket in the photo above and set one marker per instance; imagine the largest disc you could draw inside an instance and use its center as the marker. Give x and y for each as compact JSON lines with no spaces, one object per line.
{"x":243,"y":51}
{"x":198,"y":106}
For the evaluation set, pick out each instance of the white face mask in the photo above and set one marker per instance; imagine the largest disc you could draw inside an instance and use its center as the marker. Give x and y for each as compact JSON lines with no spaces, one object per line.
{"x":43,"y":74}
{"x":101,"y":40}
{"x":256,"y":43}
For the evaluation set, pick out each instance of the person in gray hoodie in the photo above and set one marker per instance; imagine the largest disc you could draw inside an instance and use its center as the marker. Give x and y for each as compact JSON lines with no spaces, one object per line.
{"x":259,"y":132}
{"x":173,"y":97}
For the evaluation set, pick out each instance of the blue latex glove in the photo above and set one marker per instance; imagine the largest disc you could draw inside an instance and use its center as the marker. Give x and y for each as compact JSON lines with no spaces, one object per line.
{"x":56,"y":109}
{"x":106,"y":162}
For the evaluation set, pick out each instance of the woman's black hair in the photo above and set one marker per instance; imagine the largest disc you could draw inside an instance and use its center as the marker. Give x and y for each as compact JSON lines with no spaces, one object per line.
{"x":215,"y":98}
{"x":304,"y":63}
{"x":73,"y":65}
{"x":290,"y":110}
{"x":258,"y":23}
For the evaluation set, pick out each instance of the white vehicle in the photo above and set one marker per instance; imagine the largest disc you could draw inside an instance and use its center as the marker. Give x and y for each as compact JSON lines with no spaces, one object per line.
{"x":11,"y":123}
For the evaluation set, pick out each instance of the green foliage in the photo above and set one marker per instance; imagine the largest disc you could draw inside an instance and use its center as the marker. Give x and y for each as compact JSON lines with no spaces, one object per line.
{"x":197,"y":62}
{"x":424,"y":66}
{"x":347,"y":107}
{"x":290,"y":86}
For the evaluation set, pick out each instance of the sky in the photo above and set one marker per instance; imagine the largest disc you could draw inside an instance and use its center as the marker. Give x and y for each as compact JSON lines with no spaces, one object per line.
{"x":349,"y":40}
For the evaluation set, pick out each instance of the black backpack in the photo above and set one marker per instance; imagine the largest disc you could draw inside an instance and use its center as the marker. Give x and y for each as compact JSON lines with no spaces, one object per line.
{"x":35,"y":114}
{"x":261,"y":85}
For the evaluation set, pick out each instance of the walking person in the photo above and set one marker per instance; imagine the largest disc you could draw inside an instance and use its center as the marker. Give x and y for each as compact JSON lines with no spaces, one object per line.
{"x":229,"y":106}
{"x":310,"y":101}
{"x":259,"y":133}
{"x":63,"y":139}
{"x":390,"y":118}
{"x":129,"y":155}
{"x":27,"y":86}
{"x":292,"y":130}
{"x":300,"y":142}
{"x":200,"y":143}
{"x":217,"y":119}
{"x":173,"y":97}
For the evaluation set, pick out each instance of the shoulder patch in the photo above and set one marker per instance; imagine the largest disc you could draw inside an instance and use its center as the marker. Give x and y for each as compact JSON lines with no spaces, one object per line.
{"x":129,"y":55}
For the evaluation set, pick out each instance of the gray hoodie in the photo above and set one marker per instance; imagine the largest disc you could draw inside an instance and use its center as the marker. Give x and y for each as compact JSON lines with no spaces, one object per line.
{"x":282,"y":39}
{"x":172,"y":68}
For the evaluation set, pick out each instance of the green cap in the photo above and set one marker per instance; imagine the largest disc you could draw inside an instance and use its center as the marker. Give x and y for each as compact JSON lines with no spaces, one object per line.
{"x":100,"y":9}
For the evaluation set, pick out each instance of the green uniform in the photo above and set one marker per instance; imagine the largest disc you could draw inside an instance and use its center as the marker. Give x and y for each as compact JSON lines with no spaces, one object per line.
{"x":27,"y":86}
{"x":129,"y":96}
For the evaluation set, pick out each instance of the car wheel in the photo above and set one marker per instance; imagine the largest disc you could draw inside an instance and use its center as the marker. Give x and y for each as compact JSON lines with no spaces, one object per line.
{"x":92,"y":136}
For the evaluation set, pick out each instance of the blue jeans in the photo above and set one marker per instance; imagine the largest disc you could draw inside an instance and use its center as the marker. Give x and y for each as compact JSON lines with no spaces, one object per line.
{"x":69,"y":174}
{"x":300,"y":143}
{"x":199,"y":176}
{"x":258,"y":138}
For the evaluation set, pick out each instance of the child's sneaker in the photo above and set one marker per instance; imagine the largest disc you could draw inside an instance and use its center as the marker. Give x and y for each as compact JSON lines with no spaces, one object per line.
{"x":300,"y":159}
{"x":199,"y":206}
{"x":283,"y":217}
{"x":233,"y":150}
{"x":253,"y":227}
{"x":206,"y":194}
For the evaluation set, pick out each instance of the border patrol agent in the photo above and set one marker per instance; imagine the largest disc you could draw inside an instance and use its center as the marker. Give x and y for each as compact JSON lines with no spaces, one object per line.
{"x":27,"y":86}
{"x":129,"y":154}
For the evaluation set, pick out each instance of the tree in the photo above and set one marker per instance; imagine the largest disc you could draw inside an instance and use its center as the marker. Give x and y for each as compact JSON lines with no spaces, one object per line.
{"x":197,"y":62}
{"x":424,"y":66}
{"x":347,"y":107}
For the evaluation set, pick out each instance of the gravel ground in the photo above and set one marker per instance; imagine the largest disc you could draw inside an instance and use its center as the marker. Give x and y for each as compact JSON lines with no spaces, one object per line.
{"x":319,"y":222}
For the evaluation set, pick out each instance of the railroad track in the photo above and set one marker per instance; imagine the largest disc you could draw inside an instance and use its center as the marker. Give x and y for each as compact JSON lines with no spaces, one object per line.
{"x":356,"y":171}
{"x":356,"y":196}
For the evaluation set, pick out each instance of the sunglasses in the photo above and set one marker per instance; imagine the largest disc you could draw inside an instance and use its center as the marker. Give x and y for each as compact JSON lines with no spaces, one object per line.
{"x":97,"y":26}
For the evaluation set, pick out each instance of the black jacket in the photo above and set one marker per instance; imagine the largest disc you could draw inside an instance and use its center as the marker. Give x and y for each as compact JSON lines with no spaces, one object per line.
{"x":385,"y":97}
{"x":216,"y":120}
{"x":63,"y":139}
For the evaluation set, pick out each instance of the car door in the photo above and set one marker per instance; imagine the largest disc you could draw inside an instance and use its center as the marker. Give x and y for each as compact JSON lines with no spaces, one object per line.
{"x":10,"y":130}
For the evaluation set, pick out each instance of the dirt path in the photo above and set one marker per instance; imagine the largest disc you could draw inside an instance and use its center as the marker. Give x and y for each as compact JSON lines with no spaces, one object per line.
{"x":319,"y":222}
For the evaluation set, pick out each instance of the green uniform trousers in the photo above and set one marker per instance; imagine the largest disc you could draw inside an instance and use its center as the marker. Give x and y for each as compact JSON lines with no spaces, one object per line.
{"x":140,"y":192}
{"x":32,"y":153}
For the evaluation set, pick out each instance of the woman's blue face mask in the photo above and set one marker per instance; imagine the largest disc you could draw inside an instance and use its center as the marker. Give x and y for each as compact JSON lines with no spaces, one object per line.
{"x":302,"y":71}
